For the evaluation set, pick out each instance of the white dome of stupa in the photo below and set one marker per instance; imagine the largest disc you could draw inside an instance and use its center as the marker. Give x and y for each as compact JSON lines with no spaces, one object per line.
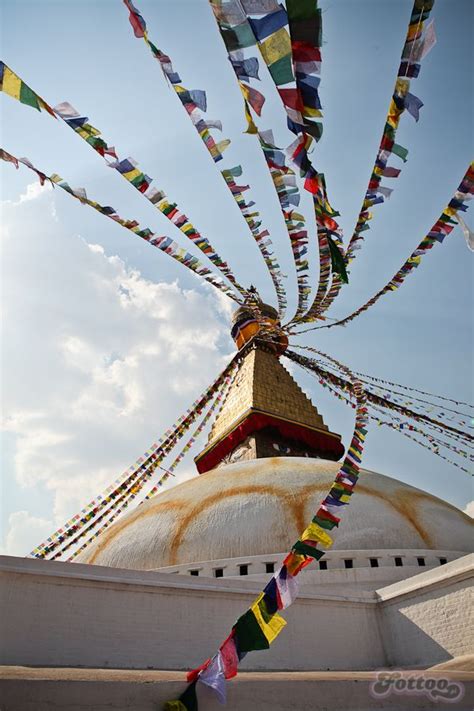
{"x":254,"y":507}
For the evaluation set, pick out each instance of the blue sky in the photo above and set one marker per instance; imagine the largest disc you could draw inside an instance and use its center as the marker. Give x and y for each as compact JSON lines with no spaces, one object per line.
{"x":90,"y":380}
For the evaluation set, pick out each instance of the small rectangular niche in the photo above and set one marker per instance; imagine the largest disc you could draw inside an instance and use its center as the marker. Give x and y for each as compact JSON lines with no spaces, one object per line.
{"x":374,"y":562}
{"x":323,"y":565}
{"x":194,"y":572}
{"x":218,"y":572}
{"x":398,"y":561}
{"x":243,"y":569}
{"x":443,"y":561}
{"x":269,"y":567}
{"x":348,"y":563}
{"x":421,"y":561}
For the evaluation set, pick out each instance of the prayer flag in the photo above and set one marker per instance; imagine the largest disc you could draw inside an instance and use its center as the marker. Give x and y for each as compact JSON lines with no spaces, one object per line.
{"x":314,"y":532}
{"x":276,"y":46}
{"x":467,"y":232}
{"x":287,"y":587}
{"x":269,"y":24}
{"x":136,"y":20}
{"x":270,"y":624}
{"x":389,"y":172}
{"x":413,"y":105}
{"x":308,"y":550}
{"x":230,"y":659}
{"x":238,"y":37}
{"x":213,"y":676}
{"x":337,"y":261}
{"x":248,"y":633}
{"x":281,"y":70}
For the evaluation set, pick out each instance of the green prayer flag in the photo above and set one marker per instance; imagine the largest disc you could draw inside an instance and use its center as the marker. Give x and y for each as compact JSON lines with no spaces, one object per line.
{"x":188,"y":698}
{"x":176,"y":705}
{"x":303,"y":548}
{"x":314,"y":128}
{"x":238,"y":37}
{"x":136,"y":182}
{"x":301,"y":9}
{"x":27,"y":96}
{"x":337,"y":261}
{"x":249,"y":634}
{"x":324,"y":523}
{"x":400,"y":151}
{"x":389,"y":131}
{"x":282,"y":70}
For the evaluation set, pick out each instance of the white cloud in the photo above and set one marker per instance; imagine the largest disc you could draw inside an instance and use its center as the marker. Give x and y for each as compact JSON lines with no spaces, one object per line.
{"x":469,"y":510}
{"x":98,"y":361}
{"x":22,"y":529}
{"x":33,"y":191}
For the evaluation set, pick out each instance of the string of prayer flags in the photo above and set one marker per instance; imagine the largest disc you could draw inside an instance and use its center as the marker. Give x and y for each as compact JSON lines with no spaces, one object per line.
{"x":216,"y":405}
{"x":433,"y":444}
{"x":164,"y":244}
{"x":389,"y":404}
{"x":416,"y":390}
{"x":261,"y":237}
{"x":442,"y":227}
{"x":448,"y":219}
{"x":289,"y":41}
{"x":376,"y":193}
{"x":331,"y":254}
{"x":195,"y":100}
{"x":127,"y":498}
{"x":154,"y":453}
{"x":260,"y":625}
{"x":419,"y":40}
{"x":284,"y":182}
{"x":129,"y":170}
{"x":343,"y":391}
{"x":281,"y":175}
{"x":11,"y":84}
{"x":402,"y":100}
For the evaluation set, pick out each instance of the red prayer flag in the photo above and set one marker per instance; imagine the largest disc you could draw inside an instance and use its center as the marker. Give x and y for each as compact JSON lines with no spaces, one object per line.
{"x":194,"y":673}
{"x":292,"y":98}
{"x":304,"y":52}
{"x":229,"y":656}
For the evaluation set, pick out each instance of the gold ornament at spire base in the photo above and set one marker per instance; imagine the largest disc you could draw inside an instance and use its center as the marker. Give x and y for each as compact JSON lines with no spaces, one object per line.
{"x":257,"y":320}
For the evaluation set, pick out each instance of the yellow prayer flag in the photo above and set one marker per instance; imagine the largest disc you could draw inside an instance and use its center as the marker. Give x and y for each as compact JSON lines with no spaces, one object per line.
{"x":402,"y":86}
{"x":251,"y":127}
{"x":271,"y":628}
{"x":414,"y":30}
{"x":310,"y":112}
{"x":315,"y":533}
{"x":450,"y":211}
{"x":276,"y":46}
{"x":297,"y":216}
{"x":11,"y":83}
{"x":132,"y":174}
{"x":222,"y":145}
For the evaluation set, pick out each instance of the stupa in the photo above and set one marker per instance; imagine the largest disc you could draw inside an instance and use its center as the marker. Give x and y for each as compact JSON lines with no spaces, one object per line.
{"x":160,"y":589}
{"x":268,"y":461}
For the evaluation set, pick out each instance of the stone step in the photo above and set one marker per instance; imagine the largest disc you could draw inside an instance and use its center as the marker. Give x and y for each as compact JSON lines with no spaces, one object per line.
{"x":34,"y":689}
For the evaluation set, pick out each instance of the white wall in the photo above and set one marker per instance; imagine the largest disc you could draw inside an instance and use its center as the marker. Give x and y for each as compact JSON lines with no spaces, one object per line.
{"x":429,"y":618}
{"x":78,"y":615}
{"x":61,"y":614}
